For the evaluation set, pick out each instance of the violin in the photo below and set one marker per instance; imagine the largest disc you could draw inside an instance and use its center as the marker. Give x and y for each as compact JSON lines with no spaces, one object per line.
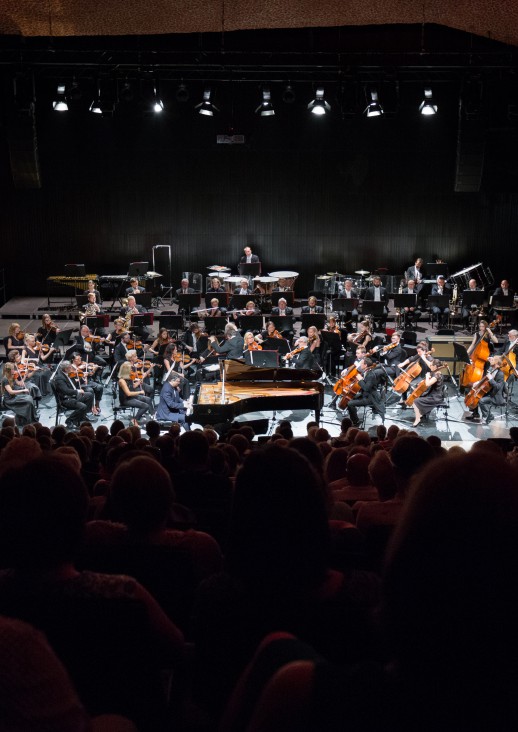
{"x":136,"y":345}
{"x":43,"y":347}
{"x":254,"y":347}
{"x":177,"y":357}
{"x":294,"y":353}
{"x":94,"y":339}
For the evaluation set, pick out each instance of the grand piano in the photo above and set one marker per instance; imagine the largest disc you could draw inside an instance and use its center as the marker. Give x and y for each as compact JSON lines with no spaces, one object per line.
{"x":246,"y":388}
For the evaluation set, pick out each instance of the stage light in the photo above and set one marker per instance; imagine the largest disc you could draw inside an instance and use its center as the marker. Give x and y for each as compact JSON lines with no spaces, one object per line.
{"x":158,"y":105}
{"x":373,"y":108}
{"x":288,"y":95}
{"x":265,"y":109}
{"x":60,"y":103}
{"x":427,"y":107}
{"x":319,"y":106}
{"x":206,"y":107}
{"x":182,"y":94}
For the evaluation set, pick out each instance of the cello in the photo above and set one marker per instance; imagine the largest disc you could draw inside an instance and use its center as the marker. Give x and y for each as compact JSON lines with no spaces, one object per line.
{"x":403,"y":381}
{"x":474,"y":371}
{"x":420,"y":389}
{"x":476,"y":393}
{"x":352,"y":387}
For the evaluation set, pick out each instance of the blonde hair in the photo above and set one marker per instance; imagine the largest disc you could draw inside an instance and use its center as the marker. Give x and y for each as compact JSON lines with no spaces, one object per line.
{"x":129,"y":354}
{"x":125,"y":370}
{"x":13,"y":328}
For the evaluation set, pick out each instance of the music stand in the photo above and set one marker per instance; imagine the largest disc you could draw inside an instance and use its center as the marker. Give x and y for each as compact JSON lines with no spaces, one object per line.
{"x":249,"y":269}
{"x":502,"y":301}
{"x":405,"y":301}
{"x":94,"y":322}
{"x":250,"y":322}
{"x":144,"y":299}
{"x":440,"y":301}
{"x":283,"y":323}
{"x":288,"y":296}
{"x":276,"y":344}
{"x":81,"y":301}
{"x":62,"y":339}
{"x":345,"y":304}
{"x":222,"y":297}
{"x":171,"y":322}
{"x":316,"y":319}
{"x":138,"y":269}
{"x":215,"y":325}
{"x":75,"y":270}
{"x":263,"y":359}
{"x":473,"y":297}
{"x":238,"y":302}
{"x":374,"y":308}
{"x":189,"y":302}
{"x":433,"y":269}
{"x":142,"y":320}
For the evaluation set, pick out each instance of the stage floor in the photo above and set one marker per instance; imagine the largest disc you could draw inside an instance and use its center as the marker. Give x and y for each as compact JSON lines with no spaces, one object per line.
{"x":453,"y":431}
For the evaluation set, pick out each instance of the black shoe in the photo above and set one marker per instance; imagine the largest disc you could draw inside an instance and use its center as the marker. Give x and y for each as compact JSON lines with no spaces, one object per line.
{"x":473,"y":417}
{"x":489,"y":419}
{"x":403,"y":406}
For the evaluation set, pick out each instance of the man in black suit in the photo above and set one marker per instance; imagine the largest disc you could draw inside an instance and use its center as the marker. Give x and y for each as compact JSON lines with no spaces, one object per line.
{"x":497,"y":394}
{"x":441,"y":288}
{"x":87,"y":348}
{"x":134,"y":288}
{"x":411,"y":315}
{"x":368,"y":395}
{"x":504,"y":290}
{"x":232,"y":347}
{"x":133,"y":309}
{"x":248,"y":257}
{"x":244,"y":288}
{"x":377,"y":293}
{"x":72,"y":398}
{"x":416,"y":273}
{"x":312,"y":307}
{"x":306,"y":359}
{"x":184,"y":289}
{"x":283,"y":310}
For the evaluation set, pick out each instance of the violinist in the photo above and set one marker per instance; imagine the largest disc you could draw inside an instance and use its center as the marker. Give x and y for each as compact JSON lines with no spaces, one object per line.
{"x":497,"y":391}
{"x":71,"y":396}
{"x":194,"y":341}
{"x":175,"y":360}
{"x":392,"y":354}
{"x":270,"y":332}
{"x":36,"y":351}
{"x":484,"y":334}
{"x":40,"y":376}
{"x":159,"y":345}
{"x":119,"y":328}
{"x":368,"y":394}
{"x":284,"y":311}
{"x":26,"y":374}
{"x":250,"y":342}
{"x":433,"y":394}
{"x":15,"y":336}
{"x":17,"y":396}
{"x":122,"y":348}
{"x":331,"y":326}
{"x":48,"y":329}
{"x":363,"y":335}
{"x":305,"y":359}
{"x":88,"y":345}
{"x":141,"y":371}
{"x":80,"y":375}
{"x":133,"y":394}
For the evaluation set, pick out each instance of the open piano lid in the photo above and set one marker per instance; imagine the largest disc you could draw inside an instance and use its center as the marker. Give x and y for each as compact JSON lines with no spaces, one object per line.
{"x":239,"y":371}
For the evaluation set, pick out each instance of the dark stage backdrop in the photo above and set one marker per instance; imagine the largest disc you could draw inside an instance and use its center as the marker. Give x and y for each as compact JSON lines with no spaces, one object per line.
{"x":313,"y":195}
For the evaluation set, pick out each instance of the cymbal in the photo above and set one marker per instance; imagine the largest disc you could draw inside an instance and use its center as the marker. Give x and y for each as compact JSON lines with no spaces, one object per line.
{"x":361,"y":272}
{"x":218,"y":268}
{"x":234,"y":278}
{"x":335,"y":274}
{"x":266,"y":279}
{"x":151,"y":275}
{"x":323,"y":277}
{"x":283,"y":274}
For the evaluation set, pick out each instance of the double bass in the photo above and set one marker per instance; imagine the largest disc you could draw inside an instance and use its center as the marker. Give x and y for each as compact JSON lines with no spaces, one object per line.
{"x":474,"y":371}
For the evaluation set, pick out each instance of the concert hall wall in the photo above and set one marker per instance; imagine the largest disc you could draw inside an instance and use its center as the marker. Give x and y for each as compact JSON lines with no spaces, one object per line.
{"x":308,"y":194}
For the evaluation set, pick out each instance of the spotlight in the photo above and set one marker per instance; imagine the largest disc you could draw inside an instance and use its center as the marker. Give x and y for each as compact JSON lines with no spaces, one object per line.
{"x":95,"y":106}
{"x":319,"y":106}
{"x":288,"y":95}
{"x":182,"y":94}
{"x":206,"y":107}
{"x":60,"y":103}
{"x":374,"y":108}
{"x":158,"y":105}
{"x":427,"y":107}
{"x":265,"y":109}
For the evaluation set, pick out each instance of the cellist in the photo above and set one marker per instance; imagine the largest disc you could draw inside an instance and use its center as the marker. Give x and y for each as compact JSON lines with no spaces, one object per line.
{"x":368,"y":394}
{"x":479,"y":351}
{"x":484,"y":333}
{"x":421,"y":359}
{"x":495,"y":397}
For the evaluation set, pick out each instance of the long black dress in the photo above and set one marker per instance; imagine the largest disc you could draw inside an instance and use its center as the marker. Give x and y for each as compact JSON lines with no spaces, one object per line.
{"x":432,"y":396}
{"x":21,"y":404}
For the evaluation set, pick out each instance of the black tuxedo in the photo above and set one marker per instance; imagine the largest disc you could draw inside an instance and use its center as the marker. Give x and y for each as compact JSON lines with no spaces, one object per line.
{"x":411,"y":274}
{"x":71,"y":398}
{"x":88,"y":350}
{"x":288,"y":311}
{"x":368,"y":396}
{"x":306,"y":310}
{"x":370,"y":294}
{"x":441,"y":313}
{"x":306,"y":359}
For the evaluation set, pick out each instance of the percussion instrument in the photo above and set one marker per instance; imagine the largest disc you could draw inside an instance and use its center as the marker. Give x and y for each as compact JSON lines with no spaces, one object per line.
{"x":218,"y":268}
{"x":361,"y":272}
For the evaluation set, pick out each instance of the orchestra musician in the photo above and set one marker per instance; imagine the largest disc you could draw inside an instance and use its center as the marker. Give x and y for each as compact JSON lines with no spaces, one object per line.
{"x":214,"y":311}
{"x":473,"y":309}
{"x":421,"y":355}
{"x":175,"y":361}
{"x":496,"y":395}
{"x":17,"y":396}
{"x":215,"y":285}
{"x":233,"y":345}
{"x":90,"y":287}
{"x":119,"y":328}
{"x":184,"y":289}
{"x":505,"y":291}
{"x":41,"y":376}
{"x":369,"y":394}
{"x":433,"y":395}
{"x":442,"y":313}
{"x":282,"y":285}
{"x":133,"y":394}
{"x":172,"y":407}
{"x":510,"y":343}
{"x":122,"y":348}
{"x":411,"y":315}
{"x":250,"y":309}
{"x":363,"y":335}
{"x":312,"y":307}
{"x":248,"y":257}
{"x":392,"y":354}
{"x":72,"y":397}
{"x":27,"y":375}
{"x":306,"y":358}
{"x":15,"y":336}
{"x":269,"y":332}
{"x":85,"y":382}
{"x":250,"y":343}
{"x":244,"y":288}
{"x":48,"y":330}
{"x":91,"y":308}
{"x":316,"y":345}
{"x":87,"y":347}
{"x":282,"y":308}
{"x":415,"y":273}
{"x":34,"y":351}
{"x":133,"y":309}
{"x":377,"y":293}
{"x":133,"y":359}
{"x":134,"y":288}
{"x":484,"y":333}
{"x":348,"y":292}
